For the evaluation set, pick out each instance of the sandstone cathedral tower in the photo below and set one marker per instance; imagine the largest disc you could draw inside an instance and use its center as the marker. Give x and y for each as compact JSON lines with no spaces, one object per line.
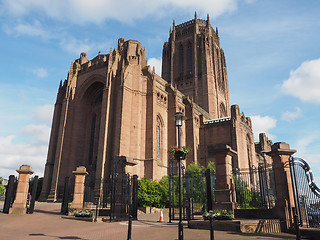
{"x":114,"y":112}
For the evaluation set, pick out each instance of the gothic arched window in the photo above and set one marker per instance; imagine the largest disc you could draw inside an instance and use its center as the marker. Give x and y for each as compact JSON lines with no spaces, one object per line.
{"x":159,"y":136}
{"x":158,"y":141}
{"x":181,"y":59}
{"x":223,"y":111}
{"x":199,"y":58}
{"x":92,"y":136}
{"x":189,"y":57}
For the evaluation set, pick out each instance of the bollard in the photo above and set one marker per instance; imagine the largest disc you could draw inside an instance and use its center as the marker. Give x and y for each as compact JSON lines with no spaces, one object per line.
{"x":97,"y":203}
{"x":296,"y":225}
{"x":129,"y":227}
{"x":33,"y":194}
{"x":65,"y":197}
{"x":10,"y":190}
{"x":211,"y":229}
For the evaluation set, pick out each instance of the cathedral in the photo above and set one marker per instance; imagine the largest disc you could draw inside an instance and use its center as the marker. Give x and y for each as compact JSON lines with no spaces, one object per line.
{"x":115,"y":109}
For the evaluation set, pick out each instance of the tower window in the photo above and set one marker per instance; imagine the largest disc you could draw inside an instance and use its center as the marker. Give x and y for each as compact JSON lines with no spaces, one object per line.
{"x":158,"y":126}
{"x":181,"y":59}
{"x":189,"y":57}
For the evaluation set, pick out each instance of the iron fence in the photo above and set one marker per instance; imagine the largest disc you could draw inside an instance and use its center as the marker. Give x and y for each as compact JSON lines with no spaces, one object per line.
{"x":306,"y":193}
{"x":195,"y":191}
{"x":255,"y":188}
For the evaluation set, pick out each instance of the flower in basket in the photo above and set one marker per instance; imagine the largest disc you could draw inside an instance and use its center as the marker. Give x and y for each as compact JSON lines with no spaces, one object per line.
{"x":84,"y":213}
{"x":173,"y":150}
{"x":179,"y":153}
{"x":218,"y":214}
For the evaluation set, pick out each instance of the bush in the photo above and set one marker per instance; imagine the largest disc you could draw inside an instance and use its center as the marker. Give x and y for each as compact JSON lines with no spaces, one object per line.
{"x":156,"y":194}
{"x":2,"y":187}
{"x":152,"y":193}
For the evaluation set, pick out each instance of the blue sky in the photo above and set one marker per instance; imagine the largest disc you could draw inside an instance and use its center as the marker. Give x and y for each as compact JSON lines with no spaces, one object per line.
{"x":271,"y":47}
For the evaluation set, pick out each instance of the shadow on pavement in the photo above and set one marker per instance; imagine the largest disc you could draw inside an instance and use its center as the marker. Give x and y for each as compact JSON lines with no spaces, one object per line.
{"x":49,"y":212}
{"x":66,"y":237}
{"x":270,"y":235}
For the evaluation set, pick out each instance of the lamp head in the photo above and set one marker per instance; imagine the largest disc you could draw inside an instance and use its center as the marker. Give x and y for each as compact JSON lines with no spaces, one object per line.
{"x":179,"y":118}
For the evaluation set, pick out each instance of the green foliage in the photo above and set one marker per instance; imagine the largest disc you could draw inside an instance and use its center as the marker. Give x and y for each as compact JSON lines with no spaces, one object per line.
{"x":199,"y":184}
{"x":2,"y":187}
{"x":152,"y":193}
{"x":195,"y":168}
{"x":164,"y":183}
{"x":245,"y":197}
{"x":211,"y":166}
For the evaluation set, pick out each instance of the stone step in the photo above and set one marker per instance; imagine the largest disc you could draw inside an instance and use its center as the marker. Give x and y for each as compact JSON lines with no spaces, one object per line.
{"x":240,"y":225}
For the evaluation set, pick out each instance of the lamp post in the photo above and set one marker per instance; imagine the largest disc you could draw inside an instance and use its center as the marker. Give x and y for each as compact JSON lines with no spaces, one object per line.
{"x":264,"y":152}
{"x":150,"y":195}
{"x":179,"y":117}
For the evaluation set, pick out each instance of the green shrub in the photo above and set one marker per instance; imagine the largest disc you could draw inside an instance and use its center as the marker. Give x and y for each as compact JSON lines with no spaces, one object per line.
{"x":152,"y":193}
{"x":2,"y":187}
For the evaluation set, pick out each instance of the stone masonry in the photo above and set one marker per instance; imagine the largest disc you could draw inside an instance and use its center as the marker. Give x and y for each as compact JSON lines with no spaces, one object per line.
{"x":115,"y":106}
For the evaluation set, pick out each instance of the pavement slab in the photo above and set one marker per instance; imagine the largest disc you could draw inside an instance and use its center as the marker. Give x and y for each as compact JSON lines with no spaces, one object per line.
{"x":46,"y":223}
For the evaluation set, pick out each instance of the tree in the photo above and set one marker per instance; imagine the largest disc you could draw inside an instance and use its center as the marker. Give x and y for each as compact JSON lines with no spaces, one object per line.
{"x":2,"y":187}
{"x":152,"y":193}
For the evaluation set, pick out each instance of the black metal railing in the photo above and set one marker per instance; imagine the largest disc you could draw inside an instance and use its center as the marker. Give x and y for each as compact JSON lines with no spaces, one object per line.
{"x":255,"y":187}
{"x":306,"y":193}
{"x":195,"y":189}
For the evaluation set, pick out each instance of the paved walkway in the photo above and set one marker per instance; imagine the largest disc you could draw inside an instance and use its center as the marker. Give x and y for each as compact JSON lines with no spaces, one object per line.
{"x":46,"y":223}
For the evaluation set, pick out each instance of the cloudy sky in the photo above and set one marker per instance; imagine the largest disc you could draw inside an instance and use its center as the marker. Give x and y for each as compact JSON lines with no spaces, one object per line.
{"x":271,"y":47}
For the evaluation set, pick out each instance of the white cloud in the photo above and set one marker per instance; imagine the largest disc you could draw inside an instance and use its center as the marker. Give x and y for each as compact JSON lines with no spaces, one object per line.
{"x":76,"y":46}
{"x":307,"y":149}
{"x":157,"y":63}
{"x":304,"y":82}
{"x":29,"y":146}
{"x":263,"y":125}
{"x":289,"y":116}
{"x":40,"y":133}
{"x":40,"y":72}
{"x":80,"y":11}
{"x":34,"y":29}
{"x":44,"y":113}
{"x":14,"y":155}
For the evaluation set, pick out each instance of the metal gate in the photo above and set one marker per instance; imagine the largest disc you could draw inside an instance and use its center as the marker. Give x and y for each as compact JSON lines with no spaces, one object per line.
{"x":119,"y":198}
{"x":306,"y":193}
{"x":255,"y":187}
{"x":194,"y":192}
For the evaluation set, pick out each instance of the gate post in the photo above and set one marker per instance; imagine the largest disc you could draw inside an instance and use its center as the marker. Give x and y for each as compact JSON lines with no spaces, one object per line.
{"x":280,"y":153}
{"x":78,"y":194}
{"x":19,"y":205}
{"x":224,"y":189}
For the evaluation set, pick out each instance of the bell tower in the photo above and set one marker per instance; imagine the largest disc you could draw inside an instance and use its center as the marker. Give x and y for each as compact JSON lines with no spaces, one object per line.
{"x":193,"y":60}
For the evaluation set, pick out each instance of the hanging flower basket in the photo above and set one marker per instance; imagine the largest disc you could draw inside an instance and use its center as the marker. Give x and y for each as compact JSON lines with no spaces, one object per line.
{"x":179,"y":153}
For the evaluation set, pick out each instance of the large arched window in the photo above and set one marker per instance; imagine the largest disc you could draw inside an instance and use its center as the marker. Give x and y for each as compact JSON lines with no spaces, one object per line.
{"x":199,"y":58}
{"x":159,"y":126}
{"x":92,"y":136}
{"x":223,"y":111}
{"x":181,"y":59}
{"x":249,"y":151}
{"x":189,"y":57}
